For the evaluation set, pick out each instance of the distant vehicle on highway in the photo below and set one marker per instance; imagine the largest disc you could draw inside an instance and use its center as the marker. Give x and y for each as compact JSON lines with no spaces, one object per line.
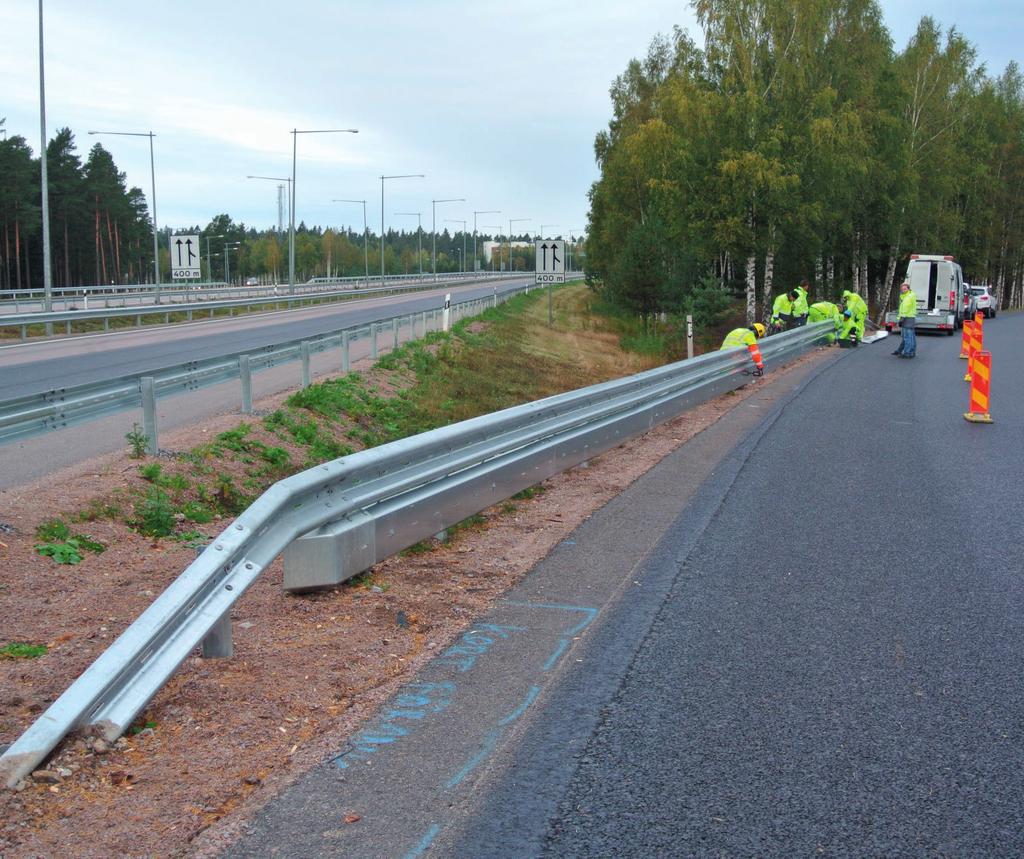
{"x":984,"y":300}
{"x":252,"y":281}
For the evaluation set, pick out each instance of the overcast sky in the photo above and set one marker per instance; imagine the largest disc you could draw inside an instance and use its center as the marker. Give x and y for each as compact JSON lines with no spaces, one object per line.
{"x":495,"y":103}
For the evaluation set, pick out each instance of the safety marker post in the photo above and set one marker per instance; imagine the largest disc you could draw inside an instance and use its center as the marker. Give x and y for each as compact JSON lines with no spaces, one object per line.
{"x":979,"y":413}
{"x":965,"y":339}
{"x":977,"y":344}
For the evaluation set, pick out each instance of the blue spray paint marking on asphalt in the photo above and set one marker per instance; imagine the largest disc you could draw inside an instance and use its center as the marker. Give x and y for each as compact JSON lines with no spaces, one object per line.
{"x":475,"y":644}
{"x":412,"y":704}
{"x":489,"y":745}
{"x":590,"y":613}
{"x":531,"y":696}
{"x":559,"y":650}
{"x":425,"y":842}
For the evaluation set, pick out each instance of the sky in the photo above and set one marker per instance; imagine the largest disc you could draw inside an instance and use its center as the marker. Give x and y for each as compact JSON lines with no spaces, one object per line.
{"x":494,"y":103}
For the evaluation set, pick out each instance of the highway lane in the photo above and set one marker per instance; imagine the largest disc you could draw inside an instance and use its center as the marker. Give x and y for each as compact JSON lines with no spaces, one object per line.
{"x":793,"y":637}
{"x":40,"y":366}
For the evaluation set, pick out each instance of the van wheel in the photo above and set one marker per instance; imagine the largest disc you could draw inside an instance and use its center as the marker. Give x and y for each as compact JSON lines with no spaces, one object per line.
{"x":949,"y":332}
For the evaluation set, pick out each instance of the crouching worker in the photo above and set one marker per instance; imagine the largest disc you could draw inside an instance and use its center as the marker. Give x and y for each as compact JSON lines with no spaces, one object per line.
{"x":855,"y":311}
{"x":826,"y":311}
{"x":747,"y":337}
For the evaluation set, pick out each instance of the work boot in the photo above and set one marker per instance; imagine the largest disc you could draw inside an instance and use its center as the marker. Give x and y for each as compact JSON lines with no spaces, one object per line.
{"x":898,"y":352}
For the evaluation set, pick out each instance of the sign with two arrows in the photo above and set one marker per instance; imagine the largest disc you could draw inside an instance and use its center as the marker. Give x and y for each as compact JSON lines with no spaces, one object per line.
{"x":550,"y":261}
{"x":185,"y":258}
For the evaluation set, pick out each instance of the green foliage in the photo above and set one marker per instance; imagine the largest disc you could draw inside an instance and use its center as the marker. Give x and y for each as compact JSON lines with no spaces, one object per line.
{"x":138,"y":441}
{"x":22,"y":650}
{"x":155,"y":515}
{"x":196,"y":512}
{"x":58,"y":542}
{"x":53,"y":530}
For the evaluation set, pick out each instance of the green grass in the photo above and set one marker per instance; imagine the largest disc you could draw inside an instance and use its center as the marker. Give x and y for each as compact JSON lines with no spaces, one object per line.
{"x":57,"y":541}
{"x":21,"y":650}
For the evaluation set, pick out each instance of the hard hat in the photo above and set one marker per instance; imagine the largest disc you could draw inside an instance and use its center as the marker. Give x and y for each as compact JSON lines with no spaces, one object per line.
{"x":759,"y":329}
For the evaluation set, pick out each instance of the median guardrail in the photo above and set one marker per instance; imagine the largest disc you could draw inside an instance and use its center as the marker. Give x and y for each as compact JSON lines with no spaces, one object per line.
{"x":192,"y":302}
{"x":362,"y":507}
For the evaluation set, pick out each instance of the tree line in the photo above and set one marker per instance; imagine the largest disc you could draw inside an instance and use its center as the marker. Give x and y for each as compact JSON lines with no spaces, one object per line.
{"x":798,"y":143}
{"x":101,"y":233}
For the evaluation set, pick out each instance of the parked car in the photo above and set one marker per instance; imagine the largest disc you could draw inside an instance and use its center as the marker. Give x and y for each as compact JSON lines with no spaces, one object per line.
{"x":252,"y":281}
{"x":984,"y":300}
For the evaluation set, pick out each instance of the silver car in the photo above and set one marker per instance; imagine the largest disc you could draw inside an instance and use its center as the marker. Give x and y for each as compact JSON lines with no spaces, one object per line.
{"x":982,"y":299}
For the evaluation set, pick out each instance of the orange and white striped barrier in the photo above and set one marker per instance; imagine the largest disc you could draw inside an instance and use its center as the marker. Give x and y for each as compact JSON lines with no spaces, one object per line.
{"x":965,"y":339}
{"x":979,"y":413}
{"x":755,"y":354}
{"x":977,"y":343}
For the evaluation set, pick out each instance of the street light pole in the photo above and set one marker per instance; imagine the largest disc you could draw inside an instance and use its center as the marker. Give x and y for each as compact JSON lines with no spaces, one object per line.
{"x":152,"y":176}
{"x":295,"y":132}
{"x":209,"y":263}
{"x":47,"y":272}
{"x":278,"y":179}
{"x":433,"y":230}
{"x":480,"y":212}
{"x":512,"y":221}
{"x":366,"y":252}
{"x":382,"y":178}
{"x":228,"y":246}
{"x":419,"y":238}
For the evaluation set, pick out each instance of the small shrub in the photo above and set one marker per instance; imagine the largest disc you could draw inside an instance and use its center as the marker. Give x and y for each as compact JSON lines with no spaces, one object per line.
{"x":52,"y":531}
{"x":151,"y":471}
{"x":196,"y":512}
{"x":155,"y":515}
{"x":138,"y":442}
{"x":22,"y":650}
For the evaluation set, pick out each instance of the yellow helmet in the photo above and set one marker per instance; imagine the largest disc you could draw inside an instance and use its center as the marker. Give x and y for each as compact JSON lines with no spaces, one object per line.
{"x":759,"y":329}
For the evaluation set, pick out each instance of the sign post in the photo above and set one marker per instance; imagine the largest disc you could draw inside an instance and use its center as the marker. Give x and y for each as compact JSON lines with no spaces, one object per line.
{"x":550,"y":268}
{"x":185,"y":258}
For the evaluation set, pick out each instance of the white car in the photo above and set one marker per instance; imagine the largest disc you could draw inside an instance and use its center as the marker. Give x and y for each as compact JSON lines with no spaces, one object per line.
{"x":984,"y":300}
{"x":252,"y":281}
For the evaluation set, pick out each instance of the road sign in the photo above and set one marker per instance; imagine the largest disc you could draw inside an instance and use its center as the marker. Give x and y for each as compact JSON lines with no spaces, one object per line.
{"x":185,"y":258}
{"x":550,"y":261}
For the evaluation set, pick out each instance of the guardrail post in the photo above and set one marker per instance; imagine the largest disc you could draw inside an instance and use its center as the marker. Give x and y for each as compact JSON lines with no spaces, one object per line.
{"x":218,"y":644}
{"x":373,"y":340}
{"x":394,"y":334}
{"x":304,"y":350}
{"x":423,"y":320}
{"x":148,"y":387}
{"x":689,"y":336}
{"x":346,"y":358}
{"x":245,"y":374}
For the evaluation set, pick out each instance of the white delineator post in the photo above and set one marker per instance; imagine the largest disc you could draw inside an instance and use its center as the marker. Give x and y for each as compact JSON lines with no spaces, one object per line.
{"x":689,"y":336}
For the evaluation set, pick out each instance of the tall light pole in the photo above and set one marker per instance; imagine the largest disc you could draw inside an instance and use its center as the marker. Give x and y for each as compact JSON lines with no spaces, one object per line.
{"x":209,"y":264}
{"x":366,"y":252}
{"x":44,"y":190}
{"x":512,"y":221}
{"x":229,"y":246}
{"x":475,"y":213}
{"x":433,"y":230}
{"x":152,"y":176}
{"x":456,"y":221}
{"x":382,"y":179}
{"x":291,"y":219}
{"x":419,"y":238}
{"x":278,"y":179}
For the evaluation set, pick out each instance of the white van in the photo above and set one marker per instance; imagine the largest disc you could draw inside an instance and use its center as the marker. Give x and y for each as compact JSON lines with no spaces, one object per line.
{"x":938,"y":283}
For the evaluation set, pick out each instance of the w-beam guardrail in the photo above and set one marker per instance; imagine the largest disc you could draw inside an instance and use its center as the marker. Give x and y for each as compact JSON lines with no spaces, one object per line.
{"x":190,"y":302}
{"x":60,"y":408}
{"x":337,"y":519}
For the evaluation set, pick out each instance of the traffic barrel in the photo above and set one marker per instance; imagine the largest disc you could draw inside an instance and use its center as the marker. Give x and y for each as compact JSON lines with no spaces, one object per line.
{"x":965,"y":339}
{"x":980,"y":382}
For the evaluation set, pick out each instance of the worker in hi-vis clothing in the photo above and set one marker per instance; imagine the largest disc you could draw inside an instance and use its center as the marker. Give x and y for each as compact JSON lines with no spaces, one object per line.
{"x":800,"y":308}
{"x":908,"y":322}
{"x":747,"y":337}
{"x":825,"y":311}
{"x":782,"y":308}
{"x":855,"y":311}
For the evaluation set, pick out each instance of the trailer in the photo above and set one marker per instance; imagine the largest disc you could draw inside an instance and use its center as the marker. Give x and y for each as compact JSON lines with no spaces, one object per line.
{"x":942,"y":298}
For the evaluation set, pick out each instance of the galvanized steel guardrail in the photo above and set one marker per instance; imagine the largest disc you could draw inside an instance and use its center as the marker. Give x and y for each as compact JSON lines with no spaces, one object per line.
{"x":356,"y":510}
{"x":60,"y":408}
{"x":257,"y":296}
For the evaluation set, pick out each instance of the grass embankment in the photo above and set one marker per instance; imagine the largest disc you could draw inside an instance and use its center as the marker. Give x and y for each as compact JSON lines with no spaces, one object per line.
{"x":507,"y":356}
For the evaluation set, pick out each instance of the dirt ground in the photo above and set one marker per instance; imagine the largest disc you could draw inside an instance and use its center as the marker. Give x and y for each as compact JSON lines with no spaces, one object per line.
{"x":225,"y":736}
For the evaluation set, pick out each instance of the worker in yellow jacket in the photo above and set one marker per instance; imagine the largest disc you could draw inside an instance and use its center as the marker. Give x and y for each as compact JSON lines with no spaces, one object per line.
{"x":747,"y":337}
{"x":855,"y":312}
{"x":826,"y":311}
{"x":908,"y":322}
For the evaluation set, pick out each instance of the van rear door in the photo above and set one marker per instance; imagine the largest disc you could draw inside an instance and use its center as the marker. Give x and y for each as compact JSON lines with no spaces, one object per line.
{"x":922,"y":275}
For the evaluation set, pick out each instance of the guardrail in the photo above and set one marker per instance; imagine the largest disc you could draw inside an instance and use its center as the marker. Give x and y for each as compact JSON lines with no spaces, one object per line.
{"x":198,"y":301}
{"x":352,"y":512}
{"x":57,"y":409}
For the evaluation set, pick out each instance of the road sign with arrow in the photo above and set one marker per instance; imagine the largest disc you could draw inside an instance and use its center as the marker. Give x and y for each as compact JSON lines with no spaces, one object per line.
{"x":185,"y":258}
{"x":550,"y":261}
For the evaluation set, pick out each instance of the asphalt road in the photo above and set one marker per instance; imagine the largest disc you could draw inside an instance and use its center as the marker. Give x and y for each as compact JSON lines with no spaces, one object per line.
{"x":44,"y":365}
{"x":799,"y":635}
